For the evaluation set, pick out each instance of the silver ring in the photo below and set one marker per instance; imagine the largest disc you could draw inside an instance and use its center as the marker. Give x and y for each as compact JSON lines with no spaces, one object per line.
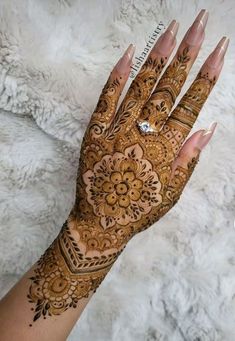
{"x":145,"y":127}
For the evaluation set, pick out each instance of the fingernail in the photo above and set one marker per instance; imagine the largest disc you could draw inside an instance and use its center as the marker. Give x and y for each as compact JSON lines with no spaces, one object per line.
{"x":124,"y":62}
{"x":194,"y":34}
{"x":173,"y":28}
{"x":167,"y":39}
{"x":205,"y":136}
{"x":217,"y":56}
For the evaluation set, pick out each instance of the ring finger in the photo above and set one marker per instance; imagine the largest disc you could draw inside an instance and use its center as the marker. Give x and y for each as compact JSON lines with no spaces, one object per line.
{"x":181,"y":120}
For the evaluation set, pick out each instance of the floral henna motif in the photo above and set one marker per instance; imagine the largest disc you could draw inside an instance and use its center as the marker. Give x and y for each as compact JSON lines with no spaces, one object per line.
{"x":122,"y":187}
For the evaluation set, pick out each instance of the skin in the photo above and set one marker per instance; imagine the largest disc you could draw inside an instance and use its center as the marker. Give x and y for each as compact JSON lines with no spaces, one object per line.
{"x":127,"y":180}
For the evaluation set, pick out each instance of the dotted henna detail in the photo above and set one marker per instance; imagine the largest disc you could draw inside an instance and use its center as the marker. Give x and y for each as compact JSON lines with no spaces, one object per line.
{"x":63,"y":275}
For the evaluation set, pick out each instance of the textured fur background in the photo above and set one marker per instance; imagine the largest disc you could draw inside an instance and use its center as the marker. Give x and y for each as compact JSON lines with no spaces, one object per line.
{"x":175,"y":281}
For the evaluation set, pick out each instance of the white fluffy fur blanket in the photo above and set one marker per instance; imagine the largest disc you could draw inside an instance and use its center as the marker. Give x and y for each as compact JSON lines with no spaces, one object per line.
{"x":175,"y":281}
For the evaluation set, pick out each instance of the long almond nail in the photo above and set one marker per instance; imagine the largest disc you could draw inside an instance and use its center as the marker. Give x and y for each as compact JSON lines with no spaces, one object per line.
{"x":124,"y":62}
{"x":217,"y":56}
{"x":194,"y":34}
{"x":173,"y":28}
{"x":205,"y":136}
{"x":166,"y":41}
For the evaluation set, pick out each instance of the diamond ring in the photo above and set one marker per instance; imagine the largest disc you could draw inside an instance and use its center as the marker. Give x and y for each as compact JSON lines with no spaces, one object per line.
{"x":145,"y":127}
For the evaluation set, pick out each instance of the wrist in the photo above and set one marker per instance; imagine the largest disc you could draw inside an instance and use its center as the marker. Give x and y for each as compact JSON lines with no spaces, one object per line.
{"x":67,"y":272}
{"x":81,"y":251}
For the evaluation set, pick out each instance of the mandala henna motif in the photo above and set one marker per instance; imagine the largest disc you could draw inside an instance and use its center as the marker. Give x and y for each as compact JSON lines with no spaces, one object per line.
{"x":124,"y":182}
{"x":116,"y":186}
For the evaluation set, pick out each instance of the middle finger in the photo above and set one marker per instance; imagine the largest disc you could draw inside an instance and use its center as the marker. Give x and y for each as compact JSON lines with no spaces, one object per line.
{"x":160,"y":103}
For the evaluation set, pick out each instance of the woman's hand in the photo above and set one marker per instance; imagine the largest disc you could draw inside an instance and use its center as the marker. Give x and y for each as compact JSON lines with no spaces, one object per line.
{"x":133,"y":167}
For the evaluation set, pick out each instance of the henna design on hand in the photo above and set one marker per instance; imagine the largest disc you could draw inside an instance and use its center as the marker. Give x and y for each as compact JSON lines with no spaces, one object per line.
{"x":116,"y":187}
{"x":64,"y":275}
{"x":124,"y":181}
{"x":168,"y":88}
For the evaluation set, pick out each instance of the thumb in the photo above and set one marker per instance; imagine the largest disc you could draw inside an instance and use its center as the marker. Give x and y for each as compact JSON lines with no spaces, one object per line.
{"x":184,"y":164}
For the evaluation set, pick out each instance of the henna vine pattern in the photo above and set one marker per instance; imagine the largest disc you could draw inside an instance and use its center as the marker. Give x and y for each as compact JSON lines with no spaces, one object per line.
{"x":124,"y":181}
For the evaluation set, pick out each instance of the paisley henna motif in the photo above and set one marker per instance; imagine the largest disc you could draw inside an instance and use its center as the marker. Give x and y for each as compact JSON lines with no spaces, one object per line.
{"x":124,"y":181}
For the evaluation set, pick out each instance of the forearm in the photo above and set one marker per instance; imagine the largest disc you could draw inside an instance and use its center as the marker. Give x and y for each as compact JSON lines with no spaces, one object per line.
{"x":46,"y":303}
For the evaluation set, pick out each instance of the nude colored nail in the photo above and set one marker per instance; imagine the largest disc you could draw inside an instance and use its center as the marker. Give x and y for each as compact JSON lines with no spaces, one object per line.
{"x":173,"y":28}
{"x":205,"y":136}
{"x":216,"y":57}
{"x":194,"y":34}
{"x":124,"y":62}
{"x":167,"y":39}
